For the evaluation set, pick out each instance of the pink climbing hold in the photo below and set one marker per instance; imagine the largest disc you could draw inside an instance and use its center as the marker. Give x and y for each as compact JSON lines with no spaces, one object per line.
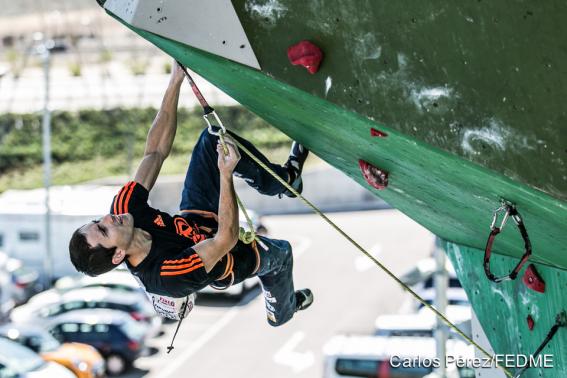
{"x":533,"y":280}
{"x":531,"y":322}
{"x":376,"y":177}
{"x":305,"y":54}
{"x":377,"y":133}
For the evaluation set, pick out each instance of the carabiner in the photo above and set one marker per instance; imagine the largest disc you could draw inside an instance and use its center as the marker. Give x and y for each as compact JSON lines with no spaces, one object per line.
{"x":505,"y":206}
{"x":560,"y":321}
{"x":210,"y":125}
{"x":511,"y":211}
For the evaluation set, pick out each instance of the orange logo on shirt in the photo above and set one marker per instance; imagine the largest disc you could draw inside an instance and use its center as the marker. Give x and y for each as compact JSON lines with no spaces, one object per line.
{"x":184,"y":229}
{"x":159,"y":221}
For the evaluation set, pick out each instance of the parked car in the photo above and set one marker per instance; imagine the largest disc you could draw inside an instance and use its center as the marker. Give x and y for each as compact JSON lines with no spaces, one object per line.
{"x":117,"y":279}
{"x":423,"y":323}
{"x":421,"y":275}
{"x":118,"y":337}
{"x":53,"y":303}
{"x":24,"y":280}
{"x":455,"y":297}
{"x":370,"y":357}
{"x":236,"y":291}
{"x":17,"y":361}
{"x":81,"y":359}
{"x":7,"y":302}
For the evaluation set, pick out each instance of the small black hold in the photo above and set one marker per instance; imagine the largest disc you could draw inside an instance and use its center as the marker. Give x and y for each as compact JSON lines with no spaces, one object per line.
{"x":359,"y":101}
{"x":337,"y":19}
{"x":435,"y":104}
{"x":266,"y":19}
{"x":224,"y":42}
{"x":242,"y":46}
{"x":159,"y":9}
{"x":413,"y":20}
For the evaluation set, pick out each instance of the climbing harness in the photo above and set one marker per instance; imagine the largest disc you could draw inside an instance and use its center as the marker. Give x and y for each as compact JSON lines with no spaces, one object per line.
{"x":509,"y":210}
{"x":560,"y":321}
{"x":169,"y":307}
{"x":210,"y":111}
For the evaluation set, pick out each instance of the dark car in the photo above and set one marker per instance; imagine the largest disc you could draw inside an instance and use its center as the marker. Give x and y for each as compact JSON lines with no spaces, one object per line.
{"x":53,"y":303}
{"x":118,"y":338}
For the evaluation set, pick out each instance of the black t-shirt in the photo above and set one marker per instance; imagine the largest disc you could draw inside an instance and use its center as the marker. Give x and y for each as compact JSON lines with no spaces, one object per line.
{"x":172,"y":267}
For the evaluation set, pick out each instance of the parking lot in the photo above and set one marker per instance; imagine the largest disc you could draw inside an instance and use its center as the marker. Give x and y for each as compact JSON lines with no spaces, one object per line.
{"x":224,"y":337}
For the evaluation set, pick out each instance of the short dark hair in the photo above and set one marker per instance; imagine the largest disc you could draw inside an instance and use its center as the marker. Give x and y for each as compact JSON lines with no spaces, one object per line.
{"x":87,"y":259}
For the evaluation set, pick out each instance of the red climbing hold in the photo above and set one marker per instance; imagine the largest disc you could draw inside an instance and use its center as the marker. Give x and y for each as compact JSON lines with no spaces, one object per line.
{"x":533,"y":280}
{"x":377,"y":133}
{"x":376,"y":177}
{"x":306,"y":54}
{"x":531,"y":322}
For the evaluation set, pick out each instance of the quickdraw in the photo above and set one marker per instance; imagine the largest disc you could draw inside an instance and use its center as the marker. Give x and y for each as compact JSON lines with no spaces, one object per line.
{"x":510,"y":211}
{"x":246,"y":236}
{"x":560,"y":321}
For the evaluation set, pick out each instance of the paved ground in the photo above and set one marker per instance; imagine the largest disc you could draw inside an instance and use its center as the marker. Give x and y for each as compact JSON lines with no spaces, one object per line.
{"x":224,"y":338}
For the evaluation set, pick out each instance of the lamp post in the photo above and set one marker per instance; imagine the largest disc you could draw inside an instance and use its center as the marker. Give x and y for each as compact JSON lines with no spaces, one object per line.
{"x":43,"y":50}
{"x":441,"y":283}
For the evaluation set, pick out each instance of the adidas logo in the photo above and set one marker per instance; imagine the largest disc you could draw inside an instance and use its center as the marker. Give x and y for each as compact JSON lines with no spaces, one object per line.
{"x":159,"y":221}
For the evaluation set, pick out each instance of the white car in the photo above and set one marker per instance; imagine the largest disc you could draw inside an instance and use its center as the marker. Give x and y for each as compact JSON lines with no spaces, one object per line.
{"x":7,"y":302}
{"x":421,"y":275}
{"x":376,"y":356}
{"x":17,"y":361}
{"x":117,"y":279}
{"x":53,"y":302}
{"x":237,"y":291}
{"x":455,"y":297}
{"x":423,"y":323}
{"x":24,"y":281}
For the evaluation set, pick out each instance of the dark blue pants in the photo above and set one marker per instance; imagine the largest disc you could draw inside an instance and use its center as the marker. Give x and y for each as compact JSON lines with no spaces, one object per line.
{"x":201,"y":191}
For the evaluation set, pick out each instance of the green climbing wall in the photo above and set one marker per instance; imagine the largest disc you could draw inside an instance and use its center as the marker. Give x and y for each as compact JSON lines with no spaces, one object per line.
{"x":485,"y":80}
{"x":503,"y":308}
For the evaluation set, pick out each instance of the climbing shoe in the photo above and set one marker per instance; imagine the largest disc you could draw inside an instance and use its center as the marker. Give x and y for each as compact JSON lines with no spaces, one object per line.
{"x":294,"y":166}
{"x":303,"y":299}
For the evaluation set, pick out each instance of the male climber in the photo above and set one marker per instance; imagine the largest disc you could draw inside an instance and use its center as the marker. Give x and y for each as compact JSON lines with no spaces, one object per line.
{"x":181,"y":254}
